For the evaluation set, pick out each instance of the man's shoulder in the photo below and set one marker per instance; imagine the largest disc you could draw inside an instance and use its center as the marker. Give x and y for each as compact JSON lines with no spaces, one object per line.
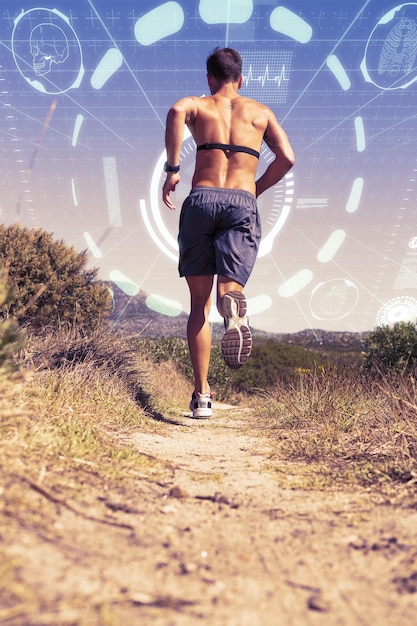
{"x":260,"y":104}
{"x":252,"y":107}
{"x":186,"y":103}
{"x":254,"y":103}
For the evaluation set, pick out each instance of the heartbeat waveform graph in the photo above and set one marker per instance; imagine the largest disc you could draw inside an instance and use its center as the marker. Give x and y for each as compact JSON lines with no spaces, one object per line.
{"x":266,"y":76}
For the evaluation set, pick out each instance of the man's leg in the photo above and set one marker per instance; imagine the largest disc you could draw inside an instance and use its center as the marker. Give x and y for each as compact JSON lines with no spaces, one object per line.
{"x":198,"y":329}
{"x":224,"y":285}
{"x":232,"y":306}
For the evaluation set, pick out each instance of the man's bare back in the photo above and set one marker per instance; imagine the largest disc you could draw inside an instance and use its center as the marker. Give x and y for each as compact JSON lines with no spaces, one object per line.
{"x":228,"y":118}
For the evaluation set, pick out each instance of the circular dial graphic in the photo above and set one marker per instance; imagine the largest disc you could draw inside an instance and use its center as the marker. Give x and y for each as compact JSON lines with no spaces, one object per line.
{"x":400,"y":309}
{"x":274,"y":205}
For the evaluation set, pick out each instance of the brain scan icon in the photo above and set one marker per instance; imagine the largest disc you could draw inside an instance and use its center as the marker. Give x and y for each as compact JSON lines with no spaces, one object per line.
{"x":48,"y":45}
{"x":47,"y":51}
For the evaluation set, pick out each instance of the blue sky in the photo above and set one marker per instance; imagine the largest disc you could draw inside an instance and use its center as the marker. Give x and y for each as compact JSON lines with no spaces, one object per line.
{"x":85,"y":89}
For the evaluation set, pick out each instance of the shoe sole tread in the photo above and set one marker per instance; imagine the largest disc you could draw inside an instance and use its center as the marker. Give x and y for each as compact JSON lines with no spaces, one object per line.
{"x":237,"y":340}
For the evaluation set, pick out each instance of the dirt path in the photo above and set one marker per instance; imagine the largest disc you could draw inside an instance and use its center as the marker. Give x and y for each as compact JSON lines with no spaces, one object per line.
{"x":248,"y":553}
{"x":218,"y":542}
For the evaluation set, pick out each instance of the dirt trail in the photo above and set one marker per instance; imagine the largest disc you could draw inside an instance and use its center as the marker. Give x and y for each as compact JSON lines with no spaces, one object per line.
{"x":249,"y":553}
{"x":218,"y":542}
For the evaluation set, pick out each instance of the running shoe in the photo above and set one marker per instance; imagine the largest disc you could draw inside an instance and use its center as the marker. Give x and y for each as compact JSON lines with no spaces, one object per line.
{"x":237,"y":339}
{"x":201,"y":404}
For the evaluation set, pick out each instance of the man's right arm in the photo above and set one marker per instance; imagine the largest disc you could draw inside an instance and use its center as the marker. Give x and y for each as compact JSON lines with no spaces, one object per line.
{"x":276,"y":139}
{"x":179,"y":114}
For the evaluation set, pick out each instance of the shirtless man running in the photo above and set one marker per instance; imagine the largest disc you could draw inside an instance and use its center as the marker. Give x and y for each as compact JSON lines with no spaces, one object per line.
{"x":220,"y":230}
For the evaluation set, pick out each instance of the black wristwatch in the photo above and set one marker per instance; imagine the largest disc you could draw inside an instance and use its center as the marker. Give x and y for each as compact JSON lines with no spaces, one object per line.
{"x":171,"y":168}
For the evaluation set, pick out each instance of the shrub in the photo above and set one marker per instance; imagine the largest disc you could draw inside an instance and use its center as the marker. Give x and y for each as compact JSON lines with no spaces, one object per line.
{"x":50,"y":282}
{"x":104,"y":349}
{"x":270,"y":362}
{"x":176,"y":349}
{"x":392,"y":349}
{"x":10,"y":337}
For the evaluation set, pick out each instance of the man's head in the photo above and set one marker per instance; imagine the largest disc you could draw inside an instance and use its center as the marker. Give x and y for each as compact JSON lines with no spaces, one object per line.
{"x":224,"y":65}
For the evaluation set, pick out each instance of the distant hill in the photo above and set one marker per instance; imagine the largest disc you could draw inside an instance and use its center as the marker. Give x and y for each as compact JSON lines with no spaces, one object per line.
{"x":327,"y":340}
{"x":133,"y":314}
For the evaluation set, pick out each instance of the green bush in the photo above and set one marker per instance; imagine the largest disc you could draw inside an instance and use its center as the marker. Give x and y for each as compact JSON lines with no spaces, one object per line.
{"x":176,"y":349}
{"x":164,"y":348}
{"x":272,"y":362}
{"x":392,"y":349}
{"x":49,"y":280}
{"x":10,"y":338}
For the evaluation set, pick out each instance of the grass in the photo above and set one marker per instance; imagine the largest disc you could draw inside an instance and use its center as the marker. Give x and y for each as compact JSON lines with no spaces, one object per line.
{"x":346,"y":428}
{"x":66,"y":415}
{"x":75,"y":399}
{"x":67,"y":412}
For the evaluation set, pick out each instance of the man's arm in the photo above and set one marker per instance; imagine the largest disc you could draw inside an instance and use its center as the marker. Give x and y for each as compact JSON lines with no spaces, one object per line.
{"x":178,"y":115}
{"x":277,"y":141}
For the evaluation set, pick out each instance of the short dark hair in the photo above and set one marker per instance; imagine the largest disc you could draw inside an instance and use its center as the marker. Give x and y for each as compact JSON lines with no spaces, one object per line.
{"x":224,"y":64}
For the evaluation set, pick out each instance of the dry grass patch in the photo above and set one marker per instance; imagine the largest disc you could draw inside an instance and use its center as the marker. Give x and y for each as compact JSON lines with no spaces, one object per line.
{"x":348,"y":429}
{"x":64,"y":422}
{"x":169,"y":389}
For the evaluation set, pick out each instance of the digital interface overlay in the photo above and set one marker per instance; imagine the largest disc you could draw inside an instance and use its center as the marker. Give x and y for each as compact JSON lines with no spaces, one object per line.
{"x":85,"y":87}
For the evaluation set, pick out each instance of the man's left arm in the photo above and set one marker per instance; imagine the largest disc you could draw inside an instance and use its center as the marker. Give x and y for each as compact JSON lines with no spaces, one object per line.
{"x":278,"y":142}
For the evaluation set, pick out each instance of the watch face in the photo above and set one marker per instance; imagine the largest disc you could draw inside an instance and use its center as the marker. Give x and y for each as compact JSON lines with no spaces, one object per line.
{"x":85,"y":94}
{"x":171,"y":168}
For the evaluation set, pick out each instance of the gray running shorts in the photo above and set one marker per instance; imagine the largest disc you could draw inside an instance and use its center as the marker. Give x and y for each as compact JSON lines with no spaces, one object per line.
{"x":219,"y":233}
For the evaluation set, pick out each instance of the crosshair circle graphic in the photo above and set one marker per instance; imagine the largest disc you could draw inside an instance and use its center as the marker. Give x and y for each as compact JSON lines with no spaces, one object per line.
{"x":401,"y":309}
{"x":274,"y":206}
